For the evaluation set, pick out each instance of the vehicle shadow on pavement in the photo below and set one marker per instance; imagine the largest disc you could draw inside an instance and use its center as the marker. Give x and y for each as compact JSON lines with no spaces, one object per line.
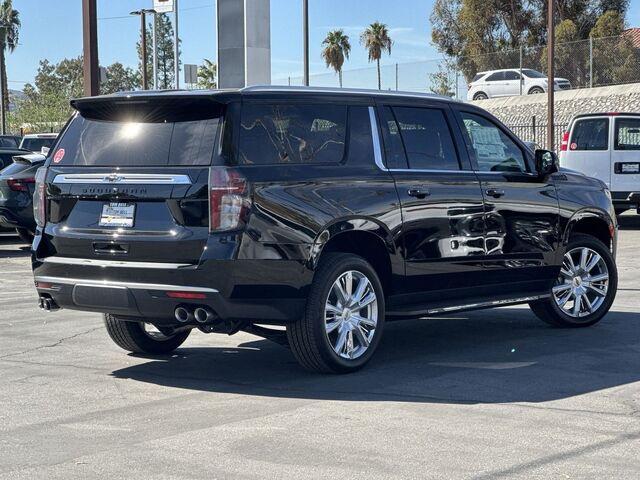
{"x":498,"y":356}
{"x":13,"y":247}
{"x":629,"y":222}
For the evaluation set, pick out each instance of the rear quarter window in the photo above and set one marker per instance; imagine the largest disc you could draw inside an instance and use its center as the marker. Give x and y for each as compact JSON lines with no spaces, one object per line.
{"x":272,"y":134}
{"x":590,"y":134}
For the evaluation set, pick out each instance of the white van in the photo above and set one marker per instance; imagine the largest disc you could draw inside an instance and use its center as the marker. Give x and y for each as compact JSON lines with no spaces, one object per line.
{"x":606,"y":146}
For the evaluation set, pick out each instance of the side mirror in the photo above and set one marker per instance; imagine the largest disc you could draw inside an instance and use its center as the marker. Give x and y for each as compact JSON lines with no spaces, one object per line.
{"x":546,"y":162}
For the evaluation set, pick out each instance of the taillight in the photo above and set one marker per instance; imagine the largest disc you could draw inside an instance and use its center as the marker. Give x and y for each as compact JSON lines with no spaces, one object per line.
{"x":228,"y":199}
{"x":20,"y":185}
{"x":565,"y":142}
{"x":40,"y":197}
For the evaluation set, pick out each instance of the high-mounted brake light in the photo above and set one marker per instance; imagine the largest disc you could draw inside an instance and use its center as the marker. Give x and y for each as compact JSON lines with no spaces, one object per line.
{"x":40,"y":197}
{"x":228,"y":199}
{"x":20,"y":185}
{"x":565,"y":142}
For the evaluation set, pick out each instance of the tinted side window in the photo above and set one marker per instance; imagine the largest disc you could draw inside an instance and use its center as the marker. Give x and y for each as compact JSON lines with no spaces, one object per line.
{"x":360,"y":141}
{"x":494,"y":150}
{"x":393,"y":149}
{"x":6,"y":159}
{"x":628,"y":134}
{"x":511,"y":76}
{"x":494,"y":77}
{"x":282,"y":133}
{"x":427,"y":138}
{"x":590,"y":134}
{"x":477,"y":77}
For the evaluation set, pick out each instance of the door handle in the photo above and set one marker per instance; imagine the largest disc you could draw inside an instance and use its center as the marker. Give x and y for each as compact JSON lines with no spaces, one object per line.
{"x":495,"y":193}
{"x":418,"y":192}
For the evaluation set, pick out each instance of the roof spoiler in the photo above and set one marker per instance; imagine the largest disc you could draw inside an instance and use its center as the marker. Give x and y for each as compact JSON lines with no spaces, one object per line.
{"x":150,"y":107}
{"x":29,"y":158}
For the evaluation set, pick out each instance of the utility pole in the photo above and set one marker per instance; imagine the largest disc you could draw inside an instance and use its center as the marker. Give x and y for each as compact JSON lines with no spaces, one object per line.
{"x":143,"y":43}
{"x":550,"y":76}
{"x":155,"y":52}
{"x":305,"y":40}
{"x":91,"y":69}
{"x":3,"y":107}
{"x":176,"y":46}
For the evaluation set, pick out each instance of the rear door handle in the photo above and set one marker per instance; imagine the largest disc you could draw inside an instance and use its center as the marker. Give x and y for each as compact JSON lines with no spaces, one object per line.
{"x":418,"y":192}
{"x":495,"y":193}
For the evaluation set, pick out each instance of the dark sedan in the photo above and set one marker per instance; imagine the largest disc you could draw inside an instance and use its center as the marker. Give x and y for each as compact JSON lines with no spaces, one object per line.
{"x":16,"y":191}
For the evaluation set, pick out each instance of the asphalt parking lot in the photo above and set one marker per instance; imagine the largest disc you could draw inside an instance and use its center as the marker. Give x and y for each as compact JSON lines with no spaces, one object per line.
{"x":490,"y":394}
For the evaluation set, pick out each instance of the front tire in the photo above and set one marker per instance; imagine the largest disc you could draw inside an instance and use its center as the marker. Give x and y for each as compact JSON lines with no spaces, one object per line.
{"x":344,"y":317}
{"x":135,"y":337}
{"x":25,"y":235}
{"x":536,"y":90}
{"x":480,"y":96}
{"x":585,"y":288}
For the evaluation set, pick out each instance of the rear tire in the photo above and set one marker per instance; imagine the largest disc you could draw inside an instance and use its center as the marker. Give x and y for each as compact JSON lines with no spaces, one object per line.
{"x":133,"y":337}
{"x":25,"y":235}
{"x":339,"y":333}
{"x":549,"y":309}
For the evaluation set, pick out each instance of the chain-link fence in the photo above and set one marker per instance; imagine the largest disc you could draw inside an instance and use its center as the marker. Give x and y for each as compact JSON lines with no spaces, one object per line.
{"x":537,"y":132}
{"x":586,"y":63}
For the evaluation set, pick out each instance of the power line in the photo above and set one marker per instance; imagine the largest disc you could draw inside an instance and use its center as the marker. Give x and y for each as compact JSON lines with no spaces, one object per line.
{"x":211,"y":5}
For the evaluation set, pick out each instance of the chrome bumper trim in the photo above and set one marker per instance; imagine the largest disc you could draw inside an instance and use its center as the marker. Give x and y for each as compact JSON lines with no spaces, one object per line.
{"x":92,"y":262}
{"x":115,"y":284}
{"x":115,"y":178}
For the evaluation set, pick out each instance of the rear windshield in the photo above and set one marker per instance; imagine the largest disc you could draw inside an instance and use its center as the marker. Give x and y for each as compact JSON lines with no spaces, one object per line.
{"x":15,"y":168}
{"x":590,"y":134}
{"x":92,"y":142}
{"x":36,"y":144}
{"x":8,"y":142}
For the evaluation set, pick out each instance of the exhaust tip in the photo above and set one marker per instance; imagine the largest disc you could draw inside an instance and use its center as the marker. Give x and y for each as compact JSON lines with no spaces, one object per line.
{"x":183,"y":315}
{"x":203,"y":315}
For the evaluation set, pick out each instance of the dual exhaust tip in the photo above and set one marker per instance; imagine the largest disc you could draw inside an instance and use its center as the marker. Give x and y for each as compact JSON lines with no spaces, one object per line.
{"x":185,"y":314}
{"x":48,"y":304}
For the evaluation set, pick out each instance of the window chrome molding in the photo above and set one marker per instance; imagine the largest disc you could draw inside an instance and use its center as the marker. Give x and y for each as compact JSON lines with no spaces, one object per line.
{"x":116,"y":178}
{"x":377,"y":150}
{"x":115,"y":284}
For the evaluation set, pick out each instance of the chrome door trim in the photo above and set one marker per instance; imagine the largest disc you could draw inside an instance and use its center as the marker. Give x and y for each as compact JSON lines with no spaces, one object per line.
{"x":489,"y":304}
{"x":92,"y":262}
{"x":115,"y":284}
{"x":377,"y":151}
{"x":116,"y":178}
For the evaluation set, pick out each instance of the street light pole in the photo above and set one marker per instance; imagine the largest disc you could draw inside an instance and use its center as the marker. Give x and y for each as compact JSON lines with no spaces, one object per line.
{"x":3,"y":107}
{"x":155,"y":52}
{"x":90,"y":68}
{"x":143,"y":43}
{"x":305,"y":40}
{"x":176,"y":46}
{"x":550,"y":76}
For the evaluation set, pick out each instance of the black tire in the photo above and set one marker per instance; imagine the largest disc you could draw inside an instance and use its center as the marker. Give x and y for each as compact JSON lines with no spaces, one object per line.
{"x":25,"y":235}
{"x":549,"y":312}
{"x":536,"y":90}
{"x":307,"y":337}
{"x":131,"y":336}
{"x":480,"y":96}
{"x":621,"y":210}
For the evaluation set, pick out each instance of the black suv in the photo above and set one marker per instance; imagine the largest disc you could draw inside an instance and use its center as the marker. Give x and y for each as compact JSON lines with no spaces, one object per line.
{"x":325,"y":211}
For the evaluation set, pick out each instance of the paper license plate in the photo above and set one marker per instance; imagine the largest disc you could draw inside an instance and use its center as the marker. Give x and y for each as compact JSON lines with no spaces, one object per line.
{"x":117,"y":215}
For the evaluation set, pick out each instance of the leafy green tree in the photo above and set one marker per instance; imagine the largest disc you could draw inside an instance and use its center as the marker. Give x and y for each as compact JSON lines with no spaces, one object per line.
{"x":336,"y":50}
{"x":442,"y":82}
{"x":165,"y":44}
{"x":120,"y":79}
{"x":9,"y":34}
{"x":615,"y":60}
{"x":208,"y":75}
{"x":376,"y":40}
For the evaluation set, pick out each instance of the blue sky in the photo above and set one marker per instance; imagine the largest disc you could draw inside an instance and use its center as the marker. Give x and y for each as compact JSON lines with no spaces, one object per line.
{"x":53,"y":30}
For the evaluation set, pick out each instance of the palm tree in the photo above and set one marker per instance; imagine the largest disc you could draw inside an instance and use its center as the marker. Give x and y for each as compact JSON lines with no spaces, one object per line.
{"x":376,"y":40}
{"x":207,"y":75}
{"x":9,"y":30}
{"x":336,"y":49}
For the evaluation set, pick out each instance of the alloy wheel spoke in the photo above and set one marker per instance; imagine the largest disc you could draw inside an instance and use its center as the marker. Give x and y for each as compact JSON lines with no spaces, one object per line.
{"x":342,"y":340}
{"x":340,"y":293}
{"x":363,"y":285}
{"x":361,"y":336}
{"x":348,"y":284}
{"x":366,"y":301}
{"x":569,"y":260}
{"x":593,"y":261}
{"x":330,"y":308}
{"x":587,"y":303}
{"x":561,"y":288}
{"x":584,"y":253}
{"x":598,"y":290}
{"x":350,"y":346}
{"x":563,"y":301}
{"x":602,"y":277}
{"x":331,"y":326}
{"x":577,"y":305}
{"x":566,"y":274}
{"x":369,"y":322}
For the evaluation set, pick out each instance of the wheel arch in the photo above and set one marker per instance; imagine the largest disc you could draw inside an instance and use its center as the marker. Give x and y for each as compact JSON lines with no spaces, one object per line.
{"x":596,"y":223}
{"x":363,"y":237}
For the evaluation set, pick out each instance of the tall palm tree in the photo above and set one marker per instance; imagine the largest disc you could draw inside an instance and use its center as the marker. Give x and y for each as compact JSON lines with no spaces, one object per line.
{"x":376,"y":40}
{"x":207,"y":75}
{"x":336,"y":49}
{"x":9,"y":31}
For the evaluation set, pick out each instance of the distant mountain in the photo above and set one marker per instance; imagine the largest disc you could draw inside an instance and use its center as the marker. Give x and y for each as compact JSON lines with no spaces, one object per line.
{"x":13,"y":96}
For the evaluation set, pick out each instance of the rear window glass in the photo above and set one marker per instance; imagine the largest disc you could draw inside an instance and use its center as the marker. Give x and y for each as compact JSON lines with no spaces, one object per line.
{"x":494,"y":77}
{"x":8,"y":142}
{"x":590,"y":134}
{"x":628,"y":134}
{"x":110,"y":143}
{"x":292,"y":133}
{"x":477,"y":77}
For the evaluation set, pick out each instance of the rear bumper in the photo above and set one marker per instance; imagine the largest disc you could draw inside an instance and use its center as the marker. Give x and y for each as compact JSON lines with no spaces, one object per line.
{"x":10,"y":218}
{"x":252,"y":291}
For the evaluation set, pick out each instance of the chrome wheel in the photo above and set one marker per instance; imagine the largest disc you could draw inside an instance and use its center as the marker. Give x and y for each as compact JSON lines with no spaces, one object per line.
{"x":583,"y":283}
{"x":351,"y":314}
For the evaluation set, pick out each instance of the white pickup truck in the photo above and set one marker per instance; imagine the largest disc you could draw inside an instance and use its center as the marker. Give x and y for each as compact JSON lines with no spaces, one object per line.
{"x":606,"y":146}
